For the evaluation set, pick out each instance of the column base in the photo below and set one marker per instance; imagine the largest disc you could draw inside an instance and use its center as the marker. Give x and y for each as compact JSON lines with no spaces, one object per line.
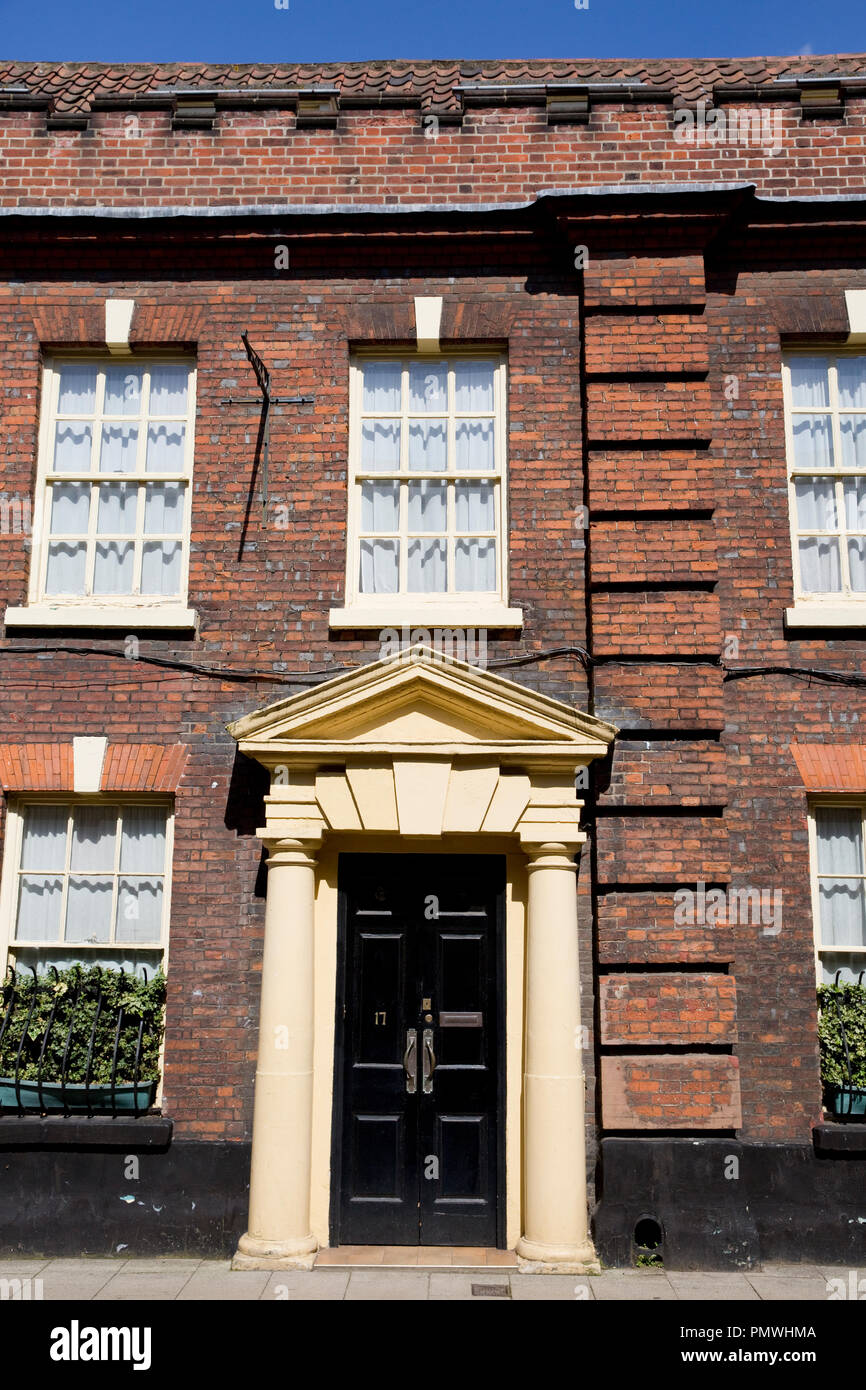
{"x":535,"y":1258}
{"x":255,"y":1253}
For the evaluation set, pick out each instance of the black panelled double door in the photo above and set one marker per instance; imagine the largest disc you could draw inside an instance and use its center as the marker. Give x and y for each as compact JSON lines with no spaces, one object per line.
{"x":418,"y":1113}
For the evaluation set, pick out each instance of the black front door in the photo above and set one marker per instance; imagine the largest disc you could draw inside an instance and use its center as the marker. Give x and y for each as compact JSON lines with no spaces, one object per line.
{"x":418,"y":1113}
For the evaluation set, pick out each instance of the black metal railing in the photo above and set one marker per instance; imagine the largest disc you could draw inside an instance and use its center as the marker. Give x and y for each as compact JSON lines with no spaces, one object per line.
{"x":50,"y":1090}
{"x":846,"y":1091}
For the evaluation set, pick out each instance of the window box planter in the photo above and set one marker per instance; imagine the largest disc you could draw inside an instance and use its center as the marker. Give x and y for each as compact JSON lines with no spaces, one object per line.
{"x":846,"y":1101}
{"x":75,"y":1098}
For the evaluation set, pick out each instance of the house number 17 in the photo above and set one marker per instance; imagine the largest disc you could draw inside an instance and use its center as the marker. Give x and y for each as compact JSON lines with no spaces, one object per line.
{"x":379,"y":1020}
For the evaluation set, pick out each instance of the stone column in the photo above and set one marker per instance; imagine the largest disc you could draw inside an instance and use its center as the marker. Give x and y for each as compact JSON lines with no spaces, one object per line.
{"x":555,"y":1220}
{"x":279,"y":1235}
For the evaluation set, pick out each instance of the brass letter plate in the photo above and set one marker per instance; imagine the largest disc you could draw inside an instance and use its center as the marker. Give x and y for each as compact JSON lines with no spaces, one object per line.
{"x":461,"y":1020}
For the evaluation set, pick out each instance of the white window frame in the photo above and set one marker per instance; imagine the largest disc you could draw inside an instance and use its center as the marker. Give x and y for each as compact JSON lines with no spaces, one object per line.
{"x":16,"y":812}
{"x":114,"y":610}
{"x":452,"y":608}
{"x":837,"y":803}
{"x":845,"y":608}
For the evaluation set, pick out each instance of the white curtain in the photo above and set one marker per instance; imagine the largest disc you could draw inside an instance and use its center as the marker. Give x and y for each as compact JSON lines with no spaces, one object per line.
{"x":813,"y":441}
{"x":380,"y":567}
{"x":66,"y":571}
{"x":820,"y":564}
{"x":119,"y":446}
{"x":163,"y":509}
{"x":165,"y":444}
{"x":427,"y":567}
{"x":474,"y":445}
{"x":851,"y":375}
{"x":428,"y":387}
{"x":809,"y":383}
{"x":381,"y":387}
{"x":428,"y":509}
{"x":475,"y":566}
{"x":840,"y":856}
{"x":113,"y":569}
{"x":428,"y":446}
{"x":70,"y":509}
{"x":380,"y":446}
{"x":139,"y":910}
{"x":474,"y":509}
{"x":160,"y":568}
{"x":77,"y":390}
{"x":473,"y":386}
{"x":39,"y":908}
{"x":122,"y":390}
{"x":852,"y":430}
{"x":72,"y":446}
{"x":168,"y":389}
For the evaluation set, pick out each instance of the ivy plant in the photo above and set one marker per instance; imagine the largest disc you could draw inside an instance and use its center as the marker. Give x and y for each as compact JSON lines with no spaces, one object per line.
{"x":842,"y":1005}
{"x":73,"y":995}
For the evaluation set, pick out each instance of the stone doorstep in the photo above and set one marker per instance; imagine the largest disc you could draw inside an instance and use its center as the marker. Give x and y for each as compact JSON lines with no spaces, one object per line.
{"x":426,"y":1259}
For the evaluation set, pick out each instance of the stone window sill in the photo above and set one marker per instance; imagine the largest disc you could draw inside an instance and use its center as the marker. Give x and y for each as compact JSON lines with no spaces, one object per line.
{"x":407,"y":614}
{"x":97,"y":615}
{"x":818,"y":613}
{"x":152,"y":1131}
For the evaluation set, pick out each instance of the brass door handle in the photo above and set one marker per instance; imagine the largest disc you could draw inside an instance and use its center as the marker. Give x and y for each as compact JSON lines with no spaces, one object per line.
{"x":429,"y":1065}
{"x":410,"y":1061}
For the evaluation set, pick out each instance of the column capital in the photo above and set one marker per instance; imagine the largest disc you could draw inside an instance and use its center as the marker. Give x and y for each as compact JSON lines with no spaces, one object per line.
{"x":552,"y":854}
{"x":290,"y":849}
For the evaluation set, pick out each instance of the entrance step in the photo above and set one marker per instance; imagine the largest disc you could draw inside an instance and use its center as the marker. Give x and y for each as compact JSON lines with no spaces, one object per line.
{"x":415,"y":1257}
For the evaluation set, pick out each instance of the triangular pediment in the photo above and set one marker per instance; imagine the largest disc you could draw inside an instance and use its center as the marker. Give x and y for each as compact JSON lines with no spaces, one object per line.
{"x":420,"y":697}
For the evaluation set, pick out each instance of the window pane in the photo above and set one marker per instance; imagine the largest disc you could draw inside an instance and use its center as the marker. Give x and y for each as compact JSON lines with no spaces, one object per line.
{"x":813,"y":441}
{"x":380,"y":446}
{"x":857,"y":564}
{"x":163,"y":509}
{"x":380,"y":507}
{"x":474,"y":440}
{"x":380,"y":567}
{"x":70,"y":509}
{"x":122,"y":390}
{"x":855,"y":504}
{"x":165,"y":446}
{"x":117,"y":508}
{"x":44,"y":841}
{"x":474,"y":386}
{"x":428,"y":387}
{"x":816,"y":505}
{"x":88,"y":909}
{"x":66,"y":567}
{"x":72,"y":447}
{"x":77,"y":391}
{"x":428,"y":572}
{"x":142,"y":847}
{"x":475,"y":566}
{"x":381,"y":386}
{"x":39,"y":902}
{"x":119,"y":448}
{"x":168,"y":388}
{"x":93,"y":835}
{"x":843,"y":912}
{"x":160,"y":567}
{"x":809,"y":385}
{"x":852,"y":432}
{"x":474,"y":507}
{"x":428,"y":509}
{"x":840,"y":841}
{"x":139,"y":910}
{"x":851,"y":375}
{"x":113,"y":567}
{"x":849,"y":965}
{"x":820,"y":571}
{"x":428,"y":446}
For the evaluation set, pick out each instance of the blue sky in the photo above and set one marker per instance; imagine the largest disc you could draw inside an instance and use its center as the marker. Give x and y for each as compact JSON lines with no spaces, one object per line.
{"x":244,"y":31}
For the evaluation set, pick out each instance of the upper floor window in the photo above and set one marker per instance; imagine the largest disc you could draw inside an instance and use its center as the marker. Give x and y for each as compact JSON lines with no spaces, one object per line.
{"x":825,"y":400}
{"x":113,"y":487}
{"x":427,"y":482}
{"x":839,"y":889}
{"x":87,"y":881}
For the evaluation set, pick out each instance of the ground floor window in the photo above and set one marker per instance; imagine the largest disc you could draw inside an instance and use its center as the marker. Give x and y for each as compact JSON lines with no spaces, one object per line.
{"x":839,"y":889}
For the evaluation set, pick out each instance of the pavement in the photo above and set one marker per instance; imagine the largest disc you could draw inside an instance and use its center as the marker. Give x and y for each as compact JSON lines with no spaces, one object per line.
{"x":169,"y":1278}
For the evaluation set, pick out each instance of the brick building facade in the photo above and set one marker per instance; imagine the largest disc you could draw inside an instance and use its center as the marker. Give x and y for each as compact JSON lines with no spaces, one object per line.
{"x":653,"y":268}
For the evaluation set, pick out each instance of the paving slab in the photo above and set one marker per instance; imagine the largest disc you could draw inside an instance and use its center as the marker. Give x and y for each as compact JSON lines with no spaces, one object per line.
{"x":151,"y":1285}
{"x":569,"y":1288}
{"x":632,"y":1286}
{"x":294,"y":1285}
{"x":222,"y":1284}
{"x":717,"y":1287}
{"x":387,"y":1285}
{"x":774,"y":1288}
{"x":456,"y":1286}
